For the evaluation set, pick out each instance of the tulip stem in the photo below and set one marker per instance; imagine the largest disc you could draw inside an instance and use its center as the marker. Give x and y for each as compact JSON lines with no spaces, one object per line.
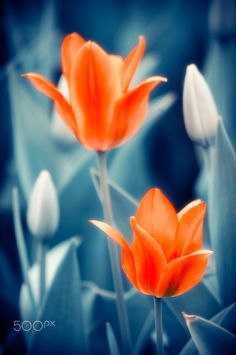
{"x":114,"y":257}
{"x":21,"y":246}
{"x":158,"y":324}
{"x":42,"y":253}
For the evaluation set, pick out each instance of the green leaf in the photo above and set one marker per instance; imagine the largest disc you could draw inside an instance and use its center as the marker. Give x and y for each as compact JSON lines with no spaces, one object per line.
{"x":210,"y":338}
{"x":63,"y":305}
{"x":112,"y":343}
{"x":145,"y":333}
{"x":221,"y":209}
{"x":225,"y":318}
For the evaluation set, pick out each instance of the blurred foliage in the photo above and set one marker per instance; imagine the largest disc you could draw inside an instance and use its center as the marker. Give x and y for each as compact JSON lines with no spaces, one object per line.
{"x":178,"y":33}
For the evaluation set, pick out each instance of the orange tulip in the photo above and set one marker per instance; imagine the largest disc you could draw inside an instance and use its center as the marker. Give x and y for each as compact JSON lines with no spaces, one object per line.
{"x":166,"y":257}
{"x":102,"y":111}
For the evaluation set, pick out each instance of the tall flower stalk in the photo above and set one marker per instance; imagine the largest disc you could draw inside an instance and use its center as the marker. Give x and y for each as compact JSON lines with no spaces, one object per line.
{"x":114,"y":257}
{"x":103,"y":112}
{"x":42,"y":260}
{"x":21,"y":246}
{"x":157,"y":302}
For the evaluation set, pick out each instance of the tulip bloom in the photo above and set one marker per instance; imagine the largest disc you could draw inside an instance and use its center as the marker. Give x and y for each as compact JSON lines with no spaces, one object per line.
{"x":102,"y":110}
{"x":166,"y":257}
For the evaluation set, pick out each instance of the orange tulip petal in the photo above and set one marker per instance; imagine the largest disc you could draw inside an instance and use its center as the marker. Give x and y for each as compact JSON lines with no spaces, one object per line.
{"x":130,"y":112}
{"x":188,"y":207}
{"x":148,"y":257}
{"x":117,"y":61}
{"x":182,"y":274}
{"x":157,"y":216}
{"x":127,"y":256}
{"x":131,"y":63}
{"x":62,"y":106}
{"x":95,"y":86}
{"x":189,"y":233}
{"x":70,"y":46}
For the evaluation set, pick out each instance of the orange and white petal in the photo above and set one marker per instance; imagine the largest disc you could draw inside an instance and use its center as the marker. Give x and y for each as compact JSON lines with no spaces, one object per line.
{"x":158,"y":217}
{"x":129,"y":113}
{"x":190,"y":228}
{"x":117,"y":61}
{"x":127,"y":256}
{"x":95,"y":86}
{"x":62,"y":105}
{"x":69,"y":48}
{"x":131,"y":63}
{"x":149,"y":259}
{"x":182,"y":274}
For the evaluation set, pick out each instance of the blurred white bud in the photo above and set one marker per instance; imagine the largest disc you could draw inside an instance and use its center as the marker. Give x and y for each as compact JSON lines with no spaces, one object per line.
{"x":200,"y":113}
{"x":59,"y":128}
{"x":222,"y":19}
{"x":43,"y":208}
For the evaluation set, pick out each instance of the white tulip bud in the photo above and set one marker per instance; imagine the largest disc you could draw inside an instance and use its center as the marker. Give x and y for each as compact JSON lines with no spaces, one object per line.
{"x":200,"y":113}
{"x":59,"y":128}
{"x":222,"y":19}
{"x":43,"y":208}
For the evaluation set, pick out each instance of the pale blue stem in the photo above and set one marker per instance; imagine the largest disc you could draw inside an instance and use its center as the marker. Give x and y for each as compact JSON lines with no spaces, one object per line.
{"x":42,"y":252}
{"x":20,"y":241}
{"x":114,"y":258}
{"x":158,"y":325}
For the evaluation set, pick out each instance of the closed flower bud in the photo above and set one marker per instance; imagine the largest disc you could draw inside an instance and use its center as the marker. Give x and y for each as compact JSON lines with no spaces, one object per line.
{"x":43,"y":208}
{"x":222,"y":19}
{"x":200,"y":112}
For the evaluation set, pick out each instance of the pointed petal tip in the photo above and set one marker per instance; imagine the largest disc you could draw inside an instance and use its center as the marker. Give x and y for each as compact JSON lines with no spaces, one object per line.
{"x":73,"y":34}
{"x":94,"y":222}
{"x":133,"y":223}
{"x":132,"y":220}
{"x":206,"y":251}
{"x":188,"y":317}
{"x":75,"y":241}
{"x":142,"y":40}
{"x":136,"y":227}
{"x":90,"y":45}
{"x":163,"y":78}
{"x":31,"y":75}
{"x":192,"y":67}
{"x":156,"y":79}
{"x":27,"y":75}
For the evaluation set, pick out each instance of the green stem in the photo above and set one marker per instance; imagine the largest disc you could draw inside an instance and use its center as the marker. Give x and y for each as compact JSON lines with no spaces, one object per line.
{"x":20,"y":241}
{"x":158,"y":324}
{"x":114,"y":257}
{"x":42,"y":253}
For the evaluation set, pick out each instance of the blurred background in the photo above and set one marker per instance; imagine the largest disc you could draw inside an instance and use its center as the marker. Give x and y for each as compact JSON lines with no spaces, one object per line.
{"x":178,"y":32}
